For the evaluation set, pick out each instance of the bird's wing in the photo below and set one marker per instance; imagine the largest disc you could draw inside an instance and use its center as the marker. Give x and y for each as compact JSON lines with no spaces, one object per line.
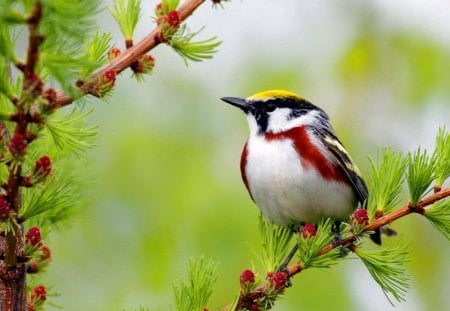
{"x":344,"y":161}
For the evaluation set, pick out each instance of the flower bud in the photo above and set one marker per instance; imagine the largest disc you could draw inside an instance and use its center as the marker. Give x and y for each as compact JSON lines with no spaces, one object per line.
{"x":173,"y":19}
{"x":50,"y":95}
{"x":148,"y":62}
{"x":5,"y":207}
{"x":361,"y":217}
{"x":17,"y":146}
{"x":42,"y":167}
{"x":110,"y":76}
{"x":46,"y":253}
{"x":32,"y":266}
{"x":33,"y":236}
{"x":39,"y":293}
{"x":308,"y":231}
{"x":378,"y":213}
{"x":158,"y":10}
{"x":278,"y":280}
{"x":113,"y":53}
{"x":247,"y":277}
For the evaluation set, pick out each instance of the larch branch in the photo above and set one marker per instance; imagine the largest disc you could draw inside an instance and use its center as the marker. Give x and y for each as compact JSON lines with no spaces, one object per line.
{"x":129,"y":56}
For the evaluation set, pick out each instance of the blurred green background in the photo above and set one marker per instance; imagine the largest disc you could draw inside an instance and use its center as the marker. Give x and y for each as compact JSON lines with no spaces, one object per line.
{"x":164,"y":181}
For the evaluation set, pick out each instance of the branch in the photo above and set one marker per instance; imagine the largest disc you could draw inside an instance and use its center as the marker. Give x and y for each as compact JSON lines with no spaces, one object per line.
{"x":130,"y":56}
{"x":251,"y":298}
{"x":34,"y":40}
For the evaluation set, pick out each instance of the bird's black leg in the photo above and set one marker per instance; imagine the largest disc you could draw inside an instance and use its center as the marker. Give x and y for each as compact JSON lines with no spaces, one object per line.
{"x":336,"y":229}
{"x":285,"y":263}
{"x":289,"y":257}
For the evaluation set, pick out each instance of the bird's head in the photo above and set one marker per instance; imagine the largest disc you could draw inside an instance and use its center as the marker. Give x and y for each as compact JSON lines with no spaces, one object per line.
{"x":277,"y":111}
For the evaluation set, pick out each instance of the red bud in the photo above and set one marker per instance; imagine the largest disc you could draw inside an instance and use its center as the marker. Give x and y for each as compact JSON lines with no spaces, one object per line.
{"x":46,"y":253}
{"x":113,"y":53}
{"x":43,"y":166}
{"x":50,"y":95}
{"x":39,"y":293}
{"x":32,"y":266}
{"x":378,"y":214}
{"x":173,"y":19}
{"x":5,"y":207}
{"x":361,"y":216}
{"x":247,"y":277}
{"x":278,"y":280}
{"x":110,"y":76}
{"x":33,"y":236}
{"x":308,"y":230}
{"x":158,"y":10}
{"x":17,"y":145}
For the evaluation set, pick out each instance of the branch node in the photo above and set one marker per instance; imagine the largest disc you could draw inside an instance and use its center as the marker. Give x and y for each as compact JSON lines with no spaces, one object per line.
{"x":416,"y":208}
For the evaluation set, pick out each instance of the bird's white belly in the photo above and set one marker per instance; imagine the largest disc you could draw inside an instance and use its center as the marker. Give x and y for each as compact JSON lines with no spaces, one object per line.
{"x":288,"y":193}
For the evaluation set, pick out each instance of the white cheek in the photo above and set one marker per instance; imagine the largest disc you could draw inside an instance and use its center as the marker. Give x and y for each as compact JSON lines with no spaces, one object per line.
{"x":278,"y":120}
{"x":252,"y":125}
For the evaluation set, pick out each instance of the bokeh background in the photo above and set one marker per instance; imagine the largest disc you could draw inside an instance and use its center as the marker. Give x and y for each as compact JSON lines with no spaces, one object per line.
{"x":164,"y":182}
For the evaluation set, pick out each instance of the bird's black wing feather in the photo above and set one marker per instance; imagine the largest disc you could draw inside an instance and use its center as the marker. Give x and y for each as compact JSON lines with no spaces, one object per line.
{"x":344,"y":161}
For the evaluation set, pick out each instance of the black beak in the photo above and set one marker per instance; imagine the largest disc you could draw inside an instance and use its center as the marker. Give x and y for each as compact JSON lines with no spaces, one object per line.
{"x":241,"y":103}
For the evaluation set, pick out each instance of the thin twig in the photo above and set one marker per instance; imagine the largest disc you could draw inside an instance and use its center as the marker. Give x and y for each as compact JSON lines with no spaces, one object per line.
{"x":296,"y":268}
{"x":129,"y":56}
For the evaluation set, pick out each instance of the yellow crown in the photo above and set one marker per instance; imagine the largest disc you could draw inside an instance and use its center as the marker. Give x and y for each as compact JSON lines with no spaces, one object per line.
{"x":271,"y":94}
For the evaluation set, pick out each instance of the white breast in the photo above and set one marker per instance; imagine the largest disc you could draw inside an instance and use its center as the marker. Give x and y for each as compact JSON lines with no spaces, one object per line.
{"x":286,"y":192}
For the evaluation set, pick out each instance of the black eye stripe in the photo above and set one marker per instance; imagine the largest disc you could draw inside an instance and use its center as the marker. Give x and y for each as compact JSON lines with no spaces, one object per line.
{"x":260,"y":110}
{"x":270,"y":107}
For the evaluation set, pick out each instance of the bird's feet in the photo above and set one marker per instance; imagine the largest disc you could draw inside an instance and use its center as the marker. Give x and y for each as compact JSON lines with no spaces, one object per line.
{"x":337,"y":241}
{"x":285,"y":263}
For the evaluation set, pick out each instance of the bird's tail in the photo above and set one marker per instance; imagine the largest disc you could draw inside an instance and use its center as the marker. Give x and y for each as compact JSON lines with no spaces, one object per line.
{"x":385,"y":230}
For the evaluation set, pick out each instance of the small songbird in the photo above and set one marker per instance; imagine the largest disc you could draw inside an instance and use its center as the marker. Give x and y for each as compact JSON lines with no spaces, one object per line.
{"x":293,"y":165}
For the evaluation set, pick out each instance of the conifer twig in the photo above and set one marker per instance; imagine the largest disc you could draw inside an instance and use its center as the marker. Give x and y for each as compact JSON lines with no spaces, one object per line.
{"x":128,"y":57}
{"x":297,"y":267}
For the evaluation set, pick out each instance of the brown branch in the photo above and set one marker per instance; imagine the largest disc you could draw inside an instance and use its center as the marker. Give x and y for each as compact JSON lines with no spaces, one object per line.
{"x":12,"y":269}
{"x":34,"y":40}
{"x":296,"y":268}
{"x":129,"y":56}
{"x":13,"y":184}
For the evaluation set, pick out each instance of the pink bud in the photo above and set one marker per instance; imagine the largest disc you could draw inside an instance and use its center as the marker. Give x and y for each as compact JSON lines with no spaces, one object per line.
{"x":39,"y":293}
{"x":32,"y":266}
{"x":158,"y":9}
{"x":110,"y":76}
{"x":43,"y":166}
{"x":50,"y":95}
{"x":113,"y":53}
{"x":361,"y":216}
{"x":17,"y":145}
{"x":378,"y":214}
{"x":173,"y":19}
{"x":247,"y":277}
{"x":33,"y":236}
{"x":308,"y":230}
{"x":5,"y":207}
{"x":46,"y":253}
{"x":278,"y":280}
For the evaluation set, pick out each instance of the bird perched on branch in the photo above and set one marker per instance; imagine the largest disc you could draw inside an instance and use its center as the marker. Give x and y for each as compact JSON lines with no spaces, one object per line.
{"x":293,"y":165}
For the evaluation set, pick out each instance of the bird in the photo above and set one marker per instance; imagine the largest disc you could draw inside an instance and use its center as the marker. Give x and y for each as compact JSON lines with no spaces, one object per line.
{"x":293,"y":165}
